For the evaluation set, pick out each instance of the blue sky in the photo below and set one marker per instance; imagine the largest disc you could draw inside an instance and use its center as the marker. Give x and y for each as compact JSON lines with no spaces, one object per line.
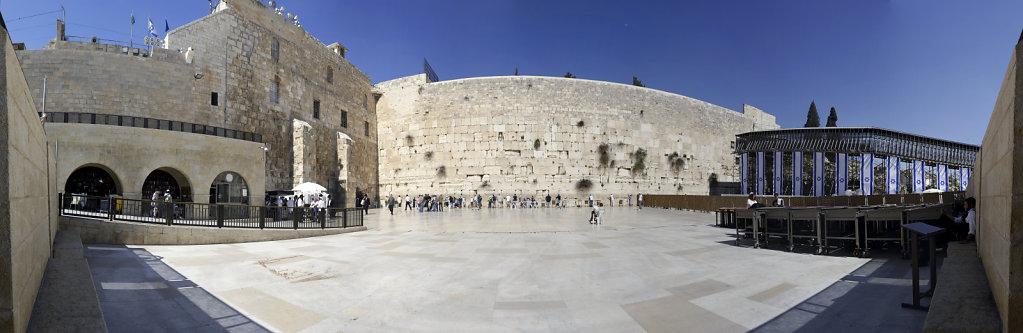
{"x":927,"y":67}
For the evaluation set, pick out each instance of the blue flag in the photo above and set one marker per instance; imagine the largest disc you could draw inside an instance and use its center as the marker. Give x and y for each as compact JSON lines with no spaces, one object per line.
{"x":152,"y":29}
{"x":797,"y":173}
{"x":166,"y":27}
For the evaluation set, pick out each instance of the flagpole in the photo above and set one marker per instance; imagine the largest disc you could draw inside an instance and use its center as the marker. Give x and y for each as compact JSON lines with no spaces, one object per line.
{"x":131,"y":36}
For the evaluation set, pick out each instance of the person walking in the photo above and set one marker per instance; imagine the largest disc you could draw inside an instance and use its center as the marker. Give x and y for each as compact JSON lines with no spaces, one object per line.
{"x":639,"y":201}
{"x":408,"y":202}
{"x":365,"y":204}
{"x":630,"y":200}
{"x":390,"y":203}
{"x":612,"y":200}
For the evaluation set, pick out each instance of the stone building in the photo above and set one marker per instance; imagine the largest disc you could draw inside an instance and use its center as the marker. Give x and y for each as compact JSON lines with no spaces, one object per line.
{"x":529,"y":135}
{"x":264,"y":100}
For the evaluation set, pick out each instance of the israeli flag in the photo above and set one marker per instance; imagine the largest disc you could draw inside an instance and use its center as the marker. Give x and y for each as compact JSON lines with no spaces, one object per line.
{"x":893,"y":175}
{"x":797,"y":173}
{"x":152,"y":28}
{"x":760,"y":173}
{"x":942,"y":178}
{"x":818,"y":174}
{"x":779,"y":157}
{"x":964,"y":178}
{"x":867,"y":174}
{"x":918,"y":176}
{"x":744,"y":173}
{"x":842,"y":174}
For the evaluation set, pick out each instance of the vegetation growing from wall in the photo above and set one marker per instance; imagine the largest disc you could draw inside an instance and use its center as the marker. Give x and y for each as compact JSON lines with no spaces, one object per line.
{"x":638,"y":161}
{"x":604,"y":155}
{"x":408,"y":140}
{"x":676,"y":161}
{"x":569,"y":75}
{"x":637,"y":82}
{"x":442,"y":172}
{"x":583,"y":185}
{"x":428,"y":155}
{"x":580,"y":123}
{"x":536,"y":144}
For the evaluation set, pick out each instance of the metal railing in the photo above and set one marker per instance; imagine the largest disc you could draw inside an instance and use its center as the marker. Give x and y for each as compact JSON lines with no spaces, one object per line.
{"x":208,"y":215}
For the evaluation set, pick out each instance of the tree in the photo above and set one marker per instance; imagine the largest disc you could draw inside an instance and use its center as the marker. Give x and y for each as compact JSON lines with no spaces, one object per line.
{"x":516,"y":71}
{"x":812,"y":118}
{"x":832,"y":119}
{"x":569,"y":75}
{"x":637,"y":82}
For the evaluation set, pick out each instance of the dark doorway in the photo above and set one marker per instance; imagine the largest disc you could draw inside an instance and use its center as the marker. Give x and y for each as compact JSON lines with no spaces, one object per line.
{"x":163,"y":181}
{"x":91,"y":180}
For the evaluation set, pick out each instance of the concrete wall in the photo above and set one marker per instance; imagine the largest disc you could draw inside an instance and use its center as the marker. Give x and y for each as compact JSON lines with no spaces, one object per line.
{"x":27,"y":204}
{"x":998,"y":187}
{"x":130,"y":154}
{"x":116,"y":232}
{"x":231,"y":49}
{"x":484,"y":131}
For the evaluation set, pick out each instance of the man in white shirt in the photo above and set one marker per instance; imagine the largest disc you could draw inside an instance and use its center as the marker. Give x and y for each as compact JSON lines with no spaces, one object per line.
{"x":970,"y":219}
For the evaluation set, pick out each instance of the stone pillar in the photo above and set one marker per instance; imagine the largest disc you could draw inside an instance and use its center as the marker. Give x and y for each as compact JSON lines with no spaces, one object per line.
{"x":344,"y":154}
{"x":304,"y":146}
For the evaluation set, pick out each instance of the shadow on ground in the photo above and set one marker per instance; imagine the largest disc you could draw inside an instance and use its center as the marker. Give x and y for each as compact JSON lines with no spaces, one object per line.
{"x":140,"y":293}
{"x":867,"y":300}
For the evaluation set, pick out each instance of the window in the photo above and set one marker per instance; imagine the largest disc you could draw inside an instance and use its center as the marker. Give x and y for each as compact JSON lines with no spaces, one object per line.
{"x":344,"y":119}
{"x":367,"y":128}
{"x":275,"y":90}
{"x":330,"y":75}
{"x":214,"y":101}
{"x":275,"y":49}
{"x":316,"y":109}
{"x":365,"y":102}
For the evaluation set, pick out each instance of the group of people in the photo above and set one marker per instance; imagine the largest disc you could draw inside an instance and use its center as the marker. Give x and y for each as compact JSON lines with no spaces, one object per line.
{"x":158,"y":197}
{"x":639,"y":201}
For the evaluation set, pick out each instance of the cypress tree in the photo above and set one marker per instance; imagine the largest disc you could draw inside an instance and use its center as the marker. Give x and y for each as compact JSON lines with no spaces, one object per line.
{"x":812,"y":118}
{"x":516,"y":71}
{"x":832,"y":118}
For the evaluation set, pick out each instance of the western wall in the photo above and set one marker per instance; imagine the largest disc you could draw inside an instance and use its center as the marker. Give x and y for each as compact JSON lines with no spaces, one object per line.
{"x":530,"y":135}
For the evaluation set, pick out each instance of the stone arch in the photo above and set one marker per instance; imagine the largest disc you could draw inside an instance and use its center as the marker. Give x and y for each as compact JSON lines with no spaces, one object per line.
{"x":167,"y":179}
{"x":93,"y":179}
{"x":229,"y":187}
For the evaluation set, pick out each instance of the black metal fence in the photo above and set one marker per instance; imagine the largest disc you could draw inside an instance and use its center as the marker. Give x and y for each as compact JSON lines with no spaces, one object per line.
{"x":208,"y":215}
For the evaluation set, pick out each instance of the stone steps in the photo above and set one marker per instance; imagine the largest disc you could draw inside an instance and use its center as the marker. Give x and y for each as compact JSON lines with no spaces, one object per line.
{"x":67,"y":299}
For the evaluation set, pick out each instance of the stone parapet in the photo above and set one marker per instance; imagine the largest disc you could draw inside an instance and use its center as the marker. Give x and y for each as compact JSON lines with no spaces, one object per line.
{"x":95,"y":231}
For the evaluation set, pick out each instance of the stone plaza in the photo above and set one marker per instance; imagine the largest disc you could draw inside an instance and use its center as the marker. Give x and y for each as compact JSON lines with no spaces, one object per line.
{"x":495,"y":270}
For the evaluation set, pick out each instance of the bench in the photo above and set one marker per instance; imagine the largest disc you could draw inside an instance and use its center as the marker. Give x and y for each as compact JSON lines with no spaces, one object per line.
{"x":962,"y":300}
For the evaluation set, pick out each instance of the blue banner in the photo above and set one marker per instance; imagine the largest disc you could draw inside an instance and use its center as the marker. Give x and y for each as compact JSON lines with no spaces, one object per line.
{"x":744,"y":173}
{"x":893,"y":175}
{"x":797,"y":173}
{"x":964,"y":178}
{"x":818,"y":174}
{"x":760,"y":173}
{"x":779,"y":157}
{"x":918,"y":176}
{"x":841,"y":175}
{"x":867,"y":174}
{"x":942,"y":178}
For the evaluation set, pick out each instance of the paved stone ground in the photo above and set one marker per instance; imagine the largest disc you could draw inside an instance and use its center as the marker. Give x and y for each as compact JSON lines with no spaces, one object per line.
{"x":504,"y":270}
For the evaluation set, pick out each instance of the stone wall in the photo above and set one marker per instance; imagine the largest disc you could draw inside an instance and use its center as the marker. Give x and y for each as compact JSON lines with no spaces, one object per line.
{"x":998,"y":187}
{"x":130,"y":154}
{"x":228,"y":53}
{"x":526,"y":135}
{"x":27,"y":201}
{"x":95,"y":231}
